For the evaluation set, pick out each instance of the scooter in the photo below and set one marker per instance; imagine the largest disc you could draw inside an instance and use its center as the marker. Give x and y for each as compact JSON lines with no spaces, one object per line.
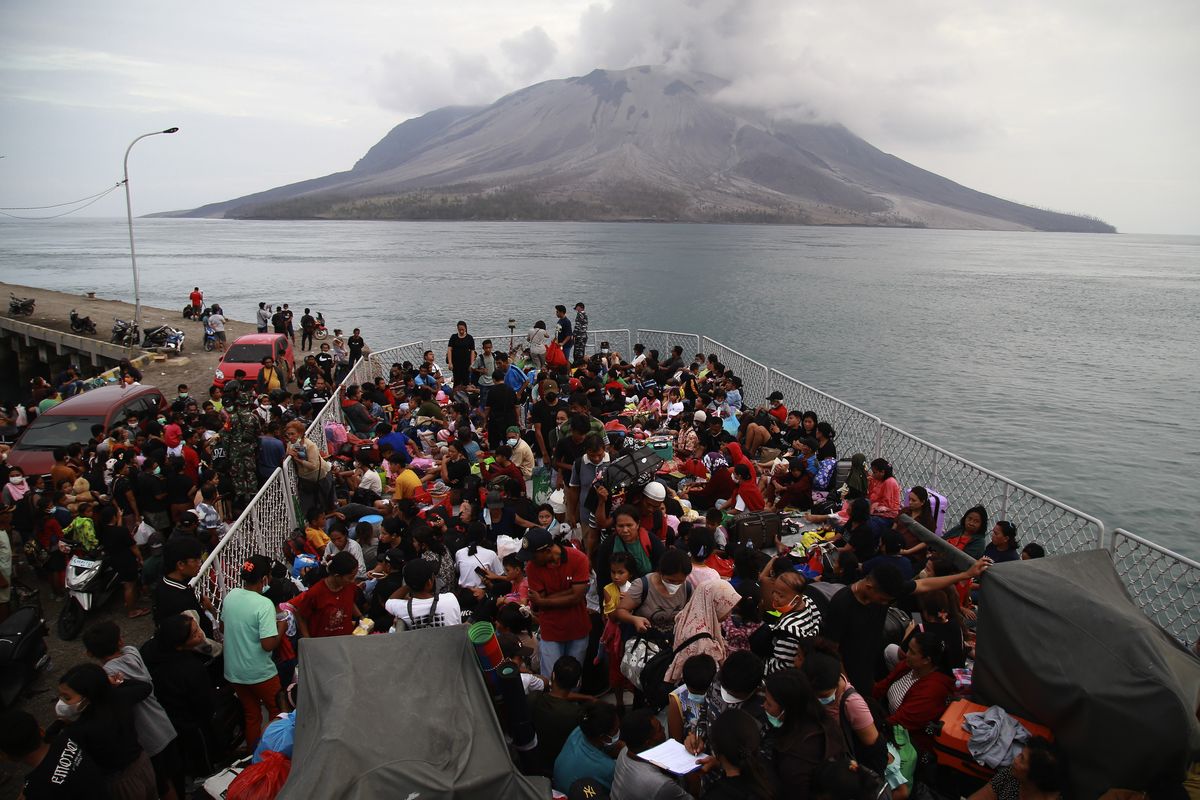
{"x":164,"y":337}
{"x":23,"y":651}
{"x":81,"y":324}
{"x":320,"y":331}
{"x":21,"y":306}
{"x":90,"y":582}
{"x":210,"y":338}
{"x":124,"y":333}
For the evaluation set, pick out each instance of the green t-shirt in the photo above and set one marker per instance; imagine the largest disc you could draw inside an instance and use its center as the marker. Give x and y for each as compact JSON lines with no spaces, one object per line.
{"x":248,"y":619}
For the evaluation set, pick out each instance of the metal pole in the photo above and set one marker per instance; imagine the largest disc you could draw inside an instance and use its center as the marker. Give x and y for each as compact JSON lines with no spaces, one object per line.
{"x":137,"y":295}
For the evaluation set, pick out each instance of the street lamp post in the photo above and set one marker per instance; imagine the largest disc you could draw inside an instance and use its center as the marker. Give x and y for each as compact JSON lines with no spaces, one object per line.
{"x":137,"y":296}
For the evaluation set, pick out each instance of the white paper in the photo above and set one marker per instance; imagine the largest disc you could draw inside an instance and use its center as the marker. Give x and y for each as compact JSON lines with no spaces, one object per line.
{"x":673,"y":757}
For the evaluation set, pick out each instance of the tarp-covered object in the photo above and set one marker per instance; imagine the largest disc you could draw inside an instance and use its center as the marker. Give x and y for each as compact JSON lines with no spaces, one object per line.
{"x":1061,"y":643}
{"x":405,"y":715}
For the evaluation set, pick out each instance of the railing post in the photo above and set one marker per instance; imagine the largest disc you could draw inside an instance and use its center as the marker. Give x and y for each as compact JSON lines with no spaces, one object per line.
{"x":934,"y":477}
{"x":878,"y":440}
{"x":1004,"y":502}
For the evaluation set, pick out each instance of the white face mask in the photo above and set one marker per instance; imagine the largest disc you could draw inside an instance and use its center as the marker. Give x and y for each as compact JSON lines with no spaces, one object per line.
{"x":511,"y":442}
{"x":67,"y":711}
{"x":672,"y":588}
{"x":624,"y":587}
{"x":16,"y":480}
{"x":728,"y":698}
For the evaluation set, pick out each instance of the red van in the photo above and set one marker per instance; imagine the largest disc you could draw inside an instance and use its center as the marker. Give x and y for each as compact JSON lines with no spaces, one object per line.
{"x":247,"y":352}
{"x":71,"y":421}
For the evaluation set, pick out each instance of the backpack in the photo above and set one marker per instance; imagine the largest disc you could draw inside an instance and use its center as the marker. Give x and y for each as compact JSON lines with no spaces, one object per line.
{"x":427,"y":621}
{"x":336,"y":435}
{"x":652,"y":679}
{"x":873,"y":757}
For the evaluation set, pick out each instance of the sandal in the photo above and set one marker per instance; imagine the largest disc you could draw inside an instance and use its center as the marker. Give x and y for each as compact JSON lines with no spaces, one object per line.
{"x":138,"y":612}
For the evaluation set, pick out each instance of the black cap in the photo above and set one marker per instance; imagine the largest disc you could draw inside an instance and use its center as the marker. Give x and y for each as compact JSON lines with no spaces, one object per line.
{"x":343,"y":563}
{"x":587,"y":789}
{"x":775,"y":395}
{"x":535,"y":539}
{"x":255,"y":568}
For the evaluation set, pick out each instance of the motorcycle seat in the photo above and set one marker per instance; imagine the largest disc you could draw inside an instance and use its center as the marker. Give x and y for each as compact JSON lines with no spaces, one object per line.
{"x":18,"y":623}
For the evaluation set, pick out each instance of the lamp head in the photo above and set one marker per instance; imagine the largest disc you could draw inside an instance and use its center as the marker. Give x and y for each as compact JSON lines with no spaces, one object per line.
{"x":171,"y":130}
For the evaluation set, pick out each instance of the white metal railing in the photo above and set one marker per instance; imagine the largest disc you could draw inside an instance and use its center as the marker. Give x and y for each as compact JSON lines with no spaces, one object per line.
{"x":1165,"y":584}
{"x":663,"y":341}
{"x":754,"y":376}
{"x":855,"y":430}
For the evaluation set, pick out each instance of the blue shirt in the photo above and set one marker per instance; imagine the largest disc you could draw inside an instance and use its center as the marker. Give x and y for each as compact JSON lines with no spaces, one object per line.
{"x":734,"y":398}
{"x":515,"y":378}
{"x":426,"y":380}
{"x":580,"y":759}
{"x":398,"y":442}
{"x":564,"y":330}
{"x":270,"y":455}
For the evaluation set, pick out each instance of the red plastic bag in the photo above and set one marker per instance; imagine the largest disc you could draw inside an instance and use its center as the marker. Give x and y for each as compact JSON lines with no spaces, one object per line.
{"x":261,"y":781}
{"x":555,"y":356}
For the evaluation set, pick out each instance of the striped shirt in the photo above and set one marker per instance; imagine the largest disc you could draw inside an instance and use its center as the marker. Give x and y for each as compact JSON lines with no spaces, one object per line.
{"x":800,"y":623}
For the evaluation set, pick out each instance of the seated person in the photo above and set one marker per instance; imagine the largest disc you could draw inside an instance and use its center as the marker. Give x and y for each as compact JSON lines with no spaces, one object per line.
{"x":589,"y":750}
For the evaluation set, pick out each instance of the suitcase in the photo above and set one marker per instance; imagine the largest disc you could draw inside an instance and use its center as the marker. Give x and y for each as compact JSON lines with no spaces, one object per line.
{"x":759,"y":528}
{"x":937,"y":507}
{"x":950,"y":742}
{"x":664,"y":446}
{"x":632,"y":470}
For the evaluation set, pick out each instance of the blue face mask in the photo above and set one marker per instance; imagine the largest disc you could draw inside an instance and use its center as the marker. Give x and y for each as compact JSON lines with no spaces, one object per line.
{"x":611,"y":740}
{"x":827,"y":700}
{"x":695,"y":698}
{"x":774,"y":721}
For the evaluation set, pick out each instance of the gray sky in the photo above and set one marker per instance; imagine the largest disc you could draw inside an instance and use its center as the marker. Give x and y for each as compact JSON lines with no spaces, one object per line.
{"x":1076,"y":105}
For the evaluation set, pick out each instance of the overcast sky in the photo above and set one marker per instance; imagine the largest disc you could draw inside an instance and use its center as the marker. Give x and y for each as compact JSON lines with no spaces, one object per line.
{"x":1077,"y":105}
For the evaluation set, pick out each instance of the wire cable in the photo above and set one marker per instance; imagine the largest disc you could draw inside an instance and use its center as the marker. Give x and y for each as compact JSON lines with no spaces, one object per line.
{"x":60,"y":205}
{"x":94,"y":199}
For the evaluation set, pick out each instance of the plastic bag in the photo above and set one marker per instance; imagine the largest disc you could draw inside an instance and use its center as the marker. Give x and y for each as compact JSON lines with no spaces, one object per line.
{"x":555,"y":356}
{"x":261,"y":781}
{"x":541,"y":485}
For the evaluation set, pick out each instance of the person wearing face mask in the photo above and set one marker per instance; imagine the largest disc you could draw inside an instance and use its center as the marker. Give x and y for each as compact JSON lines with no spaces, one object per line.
{"x":736,"y":739}
{"x":99,"y":716}
{"x":711,"y":604}
{"x":151,"y":489}
{"x":847,"y":707}
{"x":738,"y":685}
{"x":799,"y":618}
{"x":59,"y":768}
{"x":522,"y":453}
{"x":685,"y":703}
{"x":583,"y":478}
{"x":655,"y":600}
{"x":590,"y":750}
{"x":251,"y":635}
{"x":800,"y":736}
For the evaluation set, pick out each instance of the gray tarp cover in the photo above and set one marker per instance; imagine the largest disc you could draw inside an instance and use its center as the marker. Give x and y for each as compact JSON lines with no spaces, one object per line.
{"x":405,"y":715}
{"x":1061,"y":643}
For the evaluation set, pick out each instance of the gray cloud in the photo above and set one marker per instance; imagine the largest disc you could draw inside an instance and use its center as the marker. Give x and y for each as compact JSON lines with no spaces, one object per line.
{"x":530,"y":52}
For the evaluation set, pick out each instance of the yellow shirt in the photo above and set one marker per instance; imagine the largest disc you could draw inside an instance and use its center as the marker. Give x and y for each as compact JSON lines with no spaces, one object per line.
{"x":612,"y":599}
{"x":316,"y":537}
{"x":405,"y":485}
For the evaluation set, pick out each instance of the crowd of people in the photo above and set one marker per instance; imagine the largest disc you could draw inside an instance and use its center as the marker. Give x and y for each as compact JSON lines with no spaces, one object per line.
{"x":474,"y":488}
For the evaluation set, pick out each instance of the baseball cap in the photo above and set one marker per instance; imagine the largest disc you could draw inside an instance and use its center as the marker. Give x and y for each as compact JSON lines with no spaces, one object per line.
{"x":513,"y":429}
{"x":343,"y":563}
{"x":700,"y":416}
{"x":655,"y":491}
{"x":587,"y":789}
{"x":775,"y":395}
{"x":535,"y":539}
{"x":257,"y":567}
{"x":511,"y":646}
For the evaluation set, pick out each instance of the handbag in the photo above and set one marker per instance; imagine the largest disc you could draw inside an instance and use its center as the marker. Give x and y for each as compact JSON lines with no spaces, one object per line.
{"x":636,"y":654}
{"x":555,"y":356}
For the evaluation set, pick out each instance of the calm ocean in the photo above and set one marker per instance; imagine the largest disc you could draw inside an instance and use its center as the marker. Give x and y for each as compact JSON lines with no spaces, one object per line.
{"x":1068,"y":362}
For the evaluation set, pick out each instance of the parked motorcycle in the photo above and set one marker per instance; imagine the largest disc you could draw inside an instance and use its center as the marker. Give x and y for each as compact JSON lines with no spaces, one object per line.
{"x":23,"y":651}
{"x":90,"y":582}
{"x":21,"y":306}
{"x":320,"y":331}
{"x":210,"y":338}
{"x":124,"y":333}
{"x":81,"y":324}
{"x":164,"y":337}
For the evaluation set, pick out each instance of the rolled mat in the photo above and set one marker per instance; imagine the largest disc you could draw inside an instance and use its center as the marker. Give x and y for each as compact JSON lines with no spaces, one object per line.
{"x":487,"y":649}
{"x":520,"y":724}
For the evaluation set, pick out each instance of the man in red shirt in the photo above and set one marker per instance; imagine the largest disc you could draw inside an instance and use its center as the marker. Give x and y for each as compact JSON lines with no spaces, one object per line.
{"x":558,"y":579}
{"x":327,"y":608}
{"x":197,"y":298}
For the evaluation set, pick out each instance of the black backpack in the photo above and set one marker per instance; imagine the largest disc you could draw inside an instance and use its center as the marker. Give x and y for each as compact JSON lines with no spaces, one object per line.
{"x":653,"y":678}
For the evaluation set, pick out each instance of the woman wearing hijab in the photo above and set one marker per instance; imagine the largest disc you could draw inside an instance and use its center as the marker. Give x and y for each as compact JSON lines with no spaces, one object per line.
{"x":711,"y":604}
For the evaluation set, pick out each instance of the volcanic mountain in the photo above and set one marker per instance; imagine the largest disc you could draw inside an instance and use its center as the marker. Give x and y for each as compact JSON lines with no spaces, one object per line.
{"x":643,"y":143}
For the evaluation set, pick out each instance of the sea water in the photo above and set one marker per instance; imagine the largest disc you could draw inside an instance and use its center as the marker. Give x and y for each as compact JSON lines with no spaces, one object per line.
{"x":1067,"y":362}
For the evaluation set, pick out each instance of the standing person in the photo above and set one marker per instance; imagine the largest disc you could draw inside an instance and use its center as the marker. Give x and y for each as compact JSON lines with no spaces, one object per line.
{"x":197,"y":298}
{"x":6,"y":565}
{"x":308,"y":324}
{"x":501,"y":409}
{"x":483,"y":367}
{"x":328,"y":608}
{"x":356,"y":345}
{"x":287,"y":324}
{"x":564,"y":338}
{"x":558,"y":579}
{"x":325,"y":363}
{"x":581,"y":333}
{"x":244,"y":429}
{"x":460,"y":354}
{"x":278,"y":321}
{"x":263,"y":317}
{"x":216,"y":321}
{"x":251,"y":635}
{"x":537,"y":338}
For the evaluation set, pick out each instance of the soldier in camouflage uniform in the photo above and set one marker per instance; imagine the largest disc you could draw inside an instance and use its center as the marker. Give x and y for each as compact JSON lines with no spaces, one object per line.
{"x":244,"y":429}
